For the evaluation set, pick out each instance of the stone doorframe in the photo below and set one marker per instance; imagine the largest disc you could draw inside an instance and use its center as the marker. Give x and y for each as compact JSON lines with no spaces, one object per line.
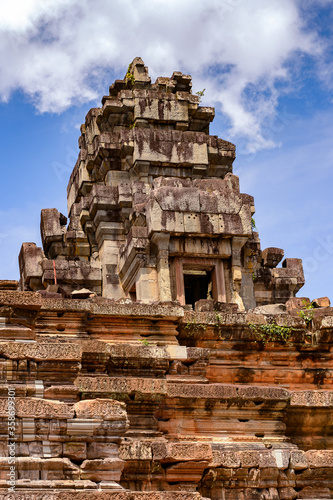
{"x":215,"y":266}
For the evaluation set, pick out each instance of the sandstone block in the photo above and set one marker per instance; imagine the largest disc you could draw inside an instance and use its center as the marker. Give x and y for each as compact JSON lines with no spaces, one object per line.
{"x":35,"y":449}
{"x":178,"y":452}
{"x":104,"y":409}
{"x":83,"y":427}
{"x":249,"y":458}
{"x":29,"y":468}
{"x":320,"y":458}
{"x":177,"y":352}
{"x":272,"y":256}
{"x":314,"y":492}
{"x":75,"y":450}
{"x":322,"y":302}
{"x":297,"y":303}
{"x":137,"y":450}
{"x":11,"y":284}
{"x":288,"y":493}
{"x":298,"y":460}
{"x":208,"y":202}
{"x":52,"y":450}
{"x":177,"y":199}
{"x":192,"y":223}
{"x":227,"y":459}
{"x":102,"y":450}
{"x":153,"y":109}
{"x":269,"y":309}
{"x":59,"y":468}
{"x":39,"y":408}
{"x":108,"y":469}
{"x":312,"y":398}
{"x":185,"y":472}
{"x":52,"y":222}
{"x":30,"y":262}
{"x":267,"y":459}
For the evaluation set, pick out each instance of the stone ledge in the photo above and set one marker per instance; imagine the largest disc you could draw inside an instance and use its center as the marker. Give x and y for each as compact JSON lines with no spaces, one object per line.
{"x":94,"y":494}
{"x":110,"y":308}
{"x":9,"y":285}
{"x":37,"y":408}
{"x":312,"y":398}
{"x":41,"y":351}
{"x":238,"y":319}
{"x":121,"y":385}
{"x":23,"y":300}
{"x":220,"y":391}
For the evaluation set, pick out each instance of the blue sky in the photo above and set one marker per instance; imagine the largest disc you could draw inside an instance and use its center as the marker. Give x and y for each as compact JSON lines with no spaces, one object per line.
{"x":266,"y":66}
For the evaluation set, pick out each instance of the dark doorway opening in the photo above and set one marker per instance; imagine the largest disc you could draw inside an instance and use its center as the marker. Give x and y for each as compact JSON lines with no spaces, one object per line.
{"x":132,"y":293}
{"x":196,"y":286}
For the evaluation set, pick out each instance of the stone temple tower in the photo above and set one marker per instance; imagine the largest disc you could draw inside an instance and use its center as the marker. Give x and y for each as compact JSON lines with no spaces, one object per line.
{"x":153,"y":351}
{"x":155,"y":212}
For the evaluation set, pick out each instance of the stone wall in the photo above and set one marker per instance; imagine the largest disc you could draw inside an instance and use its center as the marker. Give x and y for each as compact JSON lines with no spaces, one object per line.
{"x":148,"y":402}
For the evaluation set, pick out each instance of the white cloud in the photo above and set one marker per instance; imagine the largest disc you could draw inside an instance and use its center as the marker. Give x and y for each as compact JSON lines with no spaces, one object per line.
{"x":60,"y":51}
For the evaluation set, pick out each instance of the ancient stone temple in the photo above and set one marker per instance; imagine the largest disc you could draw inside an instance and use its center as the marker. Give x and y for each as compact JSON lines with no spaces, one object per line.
{"x":152,"y":350}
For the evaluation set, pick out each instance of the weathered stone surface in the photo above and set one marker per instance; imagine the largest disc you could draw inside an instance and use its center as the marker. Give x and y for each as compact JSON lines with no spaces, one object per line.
{"x":137,"y":450}
{"x":227,"y":459}
{"x":312,"y":398}
{"x":272,"y":256}
{"x":297,"y":303}
{"x":100,"y":409}
{"x":178,"y":452}
{"x":103,"y":450}
{"x":121,"y":385}
{"x":21,"y":300}
{"x":227,"y":392}
{"x":320,"y":458}
{"x":322,"y":302}
{"x":107,"y":469}
{"x":163,"y":356}
{"x":98,"y":495}
{"x":41,"y":351}
{"x":75,"y":451}
{"x":39,"y":408}
{"x":298,"y":460}
{"x":8,"y":284}
{"x":269,"y":309}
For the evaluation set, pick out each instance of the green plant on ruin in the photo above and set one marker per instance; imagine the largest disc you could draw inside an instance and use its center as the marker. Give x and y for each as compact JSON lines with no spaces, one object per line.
{"x":192,"y":327}
{"x":200,"y":94}
{"x":218,"y":325}
{"x":308,"y":305}
{"x":129,"y":75}
{"x":271,"y":332}
{"x":253,"y":224}
{"x":144,"y":342}
{"x":307,"y":315}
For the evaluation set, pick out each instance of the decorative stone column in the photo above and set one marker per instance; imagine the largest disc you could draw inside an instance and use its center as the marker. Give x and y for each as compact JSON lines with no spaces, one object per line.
{"x":236,"y":268}
{"x":161,"y":240}
{"x":108,"y":253}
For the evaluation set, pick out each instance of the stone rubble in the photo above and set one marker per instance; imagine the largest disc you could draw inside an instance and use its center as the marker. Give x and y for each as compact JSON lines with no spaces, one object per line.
{"x":154,"y":350}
